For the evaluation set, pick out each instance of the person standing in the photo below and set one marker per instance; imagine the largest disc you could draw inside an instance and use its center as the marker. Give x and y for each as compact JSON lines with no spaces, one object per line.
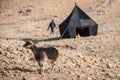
{"x":52,"y":25}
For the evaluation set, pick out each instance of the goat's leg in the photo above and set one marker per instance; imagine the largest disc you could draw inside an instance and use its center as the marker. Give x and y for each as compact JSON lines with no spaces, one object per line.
{"x":53,"y":65}
{"x":41,"y":64}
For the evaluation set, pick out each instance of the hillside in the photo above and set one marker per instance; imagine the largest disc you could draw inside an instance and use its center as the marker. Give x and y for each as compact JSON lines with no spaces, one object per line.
{"x":87,"y":58}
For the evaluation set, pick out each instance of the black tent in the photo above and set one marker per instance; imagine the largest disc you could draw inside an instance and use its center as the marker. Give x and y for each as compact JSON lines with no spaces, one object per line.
{"x":78,"y":23}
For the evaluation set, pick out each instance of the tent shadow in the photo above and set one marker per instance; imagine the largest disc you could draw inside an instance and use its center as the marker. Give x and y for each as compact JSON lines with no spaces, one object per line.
{"x":33,"y":39}
{"x":42,"y":40}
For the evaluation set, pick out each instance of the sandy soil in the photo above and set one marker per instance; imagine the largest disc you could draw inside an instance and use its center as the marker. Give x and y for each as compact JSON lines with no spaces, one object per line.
{"x":87,"y":58}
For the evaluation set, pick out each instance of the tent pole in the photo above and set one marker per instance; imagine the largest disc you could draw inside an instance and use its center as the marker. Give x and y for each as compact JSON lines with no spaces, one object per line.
{"x":63,"y":33}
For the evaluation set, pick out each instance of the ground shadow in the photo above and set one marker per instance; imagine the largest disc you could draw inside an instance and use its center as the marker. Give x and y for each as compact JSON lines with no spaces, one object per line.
{"x":42,"y":40}
{"x":19,"y":69}
{"x":33,"y":39}
{"x":50,"y":39}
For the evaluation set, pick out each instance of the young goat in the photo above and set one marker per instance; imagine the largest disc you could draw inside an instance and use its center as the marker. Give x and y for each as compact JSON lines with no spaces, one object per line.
{"x":42,"y":54}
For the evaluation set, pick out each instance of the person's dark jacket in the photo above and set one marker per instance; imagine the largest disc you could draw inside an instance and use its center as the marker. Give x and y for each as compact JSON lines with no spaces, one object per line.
{"x":52,"y":25}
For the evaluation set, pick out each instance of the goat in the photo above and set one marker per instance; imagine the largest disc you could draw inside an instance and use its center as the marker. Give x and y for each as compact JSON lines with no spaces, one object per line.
{"x":41,"y":54}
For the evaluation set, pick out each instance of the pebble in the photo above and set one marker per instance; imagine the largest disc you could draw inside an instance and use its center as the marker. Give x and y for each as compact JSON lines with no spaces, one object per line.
{"x":89,"y":78}
{"x":109,"y":65}
{"x":27,"y":78}
{"x":118,"y":76}
{"x":0,"y":52}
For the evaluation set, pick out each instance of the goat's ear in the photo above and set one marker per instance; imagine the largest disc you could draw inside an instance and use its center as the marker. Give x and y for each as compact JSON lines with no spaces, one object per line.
{"x":31,"y":42}
{"x":27,"y":41}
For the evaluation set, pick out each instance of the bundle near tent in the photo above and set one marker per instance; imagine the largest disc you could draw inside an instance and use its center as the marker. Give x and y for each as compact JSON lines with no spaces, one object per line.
{"x":78,"y":23}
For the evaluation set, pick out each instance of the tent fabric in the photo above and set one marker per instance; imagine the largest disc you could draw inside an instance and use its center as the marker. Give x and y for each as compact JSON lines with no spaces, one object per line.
{"x":78,"y":20}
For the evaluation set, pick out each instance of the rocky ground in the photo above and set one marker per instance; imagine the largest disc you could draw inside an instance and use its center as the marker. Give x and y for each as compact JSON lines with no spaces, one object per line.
{"x":87,"y":58}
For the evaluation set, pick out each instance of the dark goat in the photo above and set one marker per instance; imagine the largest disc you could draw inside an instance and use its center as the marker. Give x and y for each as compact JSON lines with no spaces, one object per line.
{"x":42,"y":54}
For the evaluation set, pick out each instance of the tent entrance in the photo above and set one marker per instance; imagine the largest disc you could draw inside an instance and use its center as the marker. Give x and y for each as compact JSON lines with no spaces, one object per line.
{"x":82,"y":31}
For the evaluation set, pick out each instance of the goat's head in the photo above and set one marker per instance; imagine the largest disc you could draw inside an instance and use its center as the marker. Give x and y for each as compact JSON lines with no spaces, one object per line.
{"x":28,"y":44}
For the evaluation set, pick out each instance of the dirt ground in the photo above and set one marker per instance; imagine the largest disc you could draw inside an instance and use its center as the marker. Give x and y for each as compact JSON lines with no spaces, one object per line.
{"x":86,"y":58}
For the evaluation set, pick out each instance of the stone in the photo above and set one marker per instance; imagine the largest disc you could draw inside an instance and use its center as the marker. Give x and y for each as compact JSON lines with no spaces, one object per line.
{"x":27,"y":78}
{"x":0,"y":52}
{"x":118,"y":76}
{"x":89,"y":78}
{"x":110,"y":65}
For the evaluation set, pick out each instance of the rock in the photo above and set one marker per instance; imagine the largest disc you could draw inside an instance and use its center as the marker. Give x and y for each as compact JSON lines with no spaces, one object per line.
{"x":27,"y":78}
{"x":3,"y":73}
{"x":0,"y":52}
{"x":118,"y":76}
{"x":89,"y":78}
{"x":110,"y":75}
{"x":78,"y":77}
{"x":110,"y":65}
{"x":84,"y":59}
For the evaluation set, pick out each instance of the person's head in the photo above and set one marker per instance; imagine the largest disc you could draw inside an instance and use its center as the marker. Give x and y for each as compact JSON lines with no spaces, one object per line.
{"x":52,"y":20}
{"x":75,"y":4}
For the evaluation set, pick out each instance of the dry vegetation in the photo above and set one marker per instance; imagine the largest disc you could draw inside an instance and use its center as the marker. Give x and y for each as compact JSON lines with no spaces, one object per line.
{"x":87,"y":58}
